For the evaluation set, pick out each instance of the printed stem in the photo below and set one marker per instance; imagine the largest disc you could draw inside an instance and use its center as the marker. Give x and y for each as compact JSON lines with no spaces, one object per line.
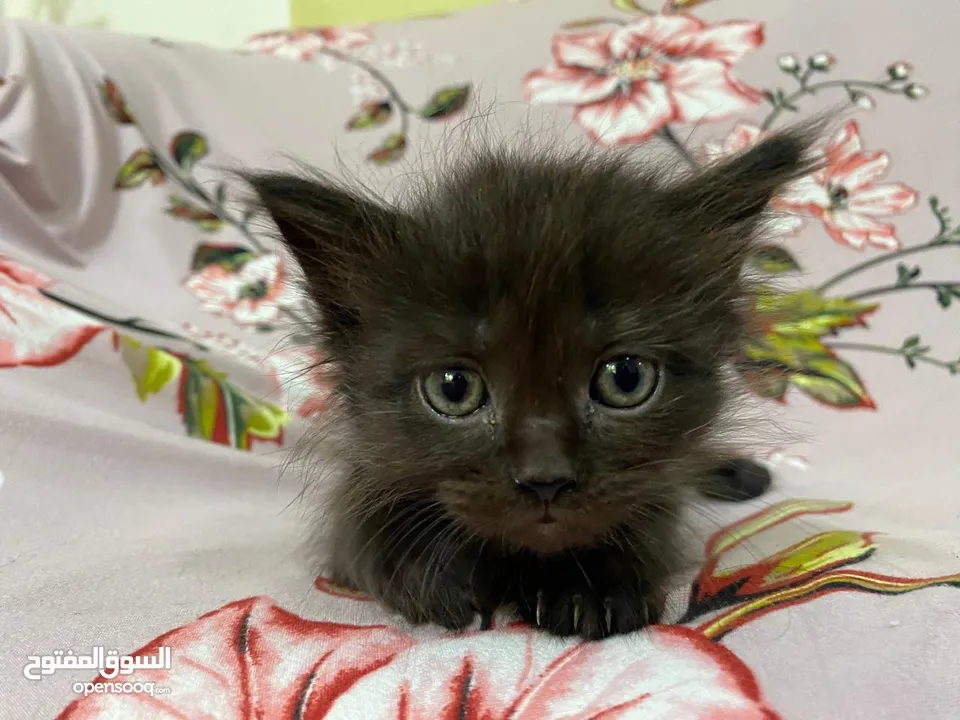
{"x":402,"y":106}
{"x":940,"y":239}
{"x":899,"y":352}
{"x":940,"y":213}
{"x":668,"y":136}
{"x":873,"y":262}
{"x":806,"y":89}
{"x":391,"y":89}
{"x":220,"y":212}
{"x":191,"y":186}
{"x":886,"y":289}
{"x":134,"y":323}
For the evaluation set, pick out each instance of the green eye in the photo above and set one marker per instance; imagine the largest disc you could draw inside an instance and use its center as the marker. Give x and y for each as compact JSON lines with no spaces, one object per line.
{"x":454,"y":392}
{"x":625,"y":382}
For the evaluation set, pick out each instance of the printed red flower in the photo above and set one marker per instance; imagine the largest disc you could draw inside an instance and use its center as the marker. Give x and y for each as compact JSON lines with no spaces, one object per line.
{"x":249,"y":659}
{"x":304,"y":44}
{"x":629,"y":83}
{"x":299,"y":375}
{"x":253,"y":659}
{"x":35,"y":330}
{"x":745,"y":135}
{"x":250,"y":294}
{"x":668,"y":673}
{"x":846,"y":195}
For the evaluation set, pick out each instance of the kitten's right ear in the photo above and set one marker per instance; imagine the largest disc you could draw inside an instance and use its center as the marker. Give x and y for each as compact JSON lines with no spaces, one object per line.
{"x":330,"y":231}
{"x":737,"y":190}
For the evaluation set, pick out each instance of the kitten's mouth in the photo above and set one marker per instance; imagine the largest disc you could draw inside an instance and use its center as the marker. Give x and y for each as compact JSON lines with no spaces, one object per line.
{"x":546,"y":518}
{"x":543,"y":528}
{"x":549,"y":529}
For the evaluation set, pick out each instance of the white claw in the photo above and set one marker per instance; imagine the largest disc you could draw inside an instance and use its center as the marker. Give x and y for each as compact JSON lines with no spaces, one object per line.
{"x":608,"y":618}
{"x":539,"y":606}
{"x":576,"y":612}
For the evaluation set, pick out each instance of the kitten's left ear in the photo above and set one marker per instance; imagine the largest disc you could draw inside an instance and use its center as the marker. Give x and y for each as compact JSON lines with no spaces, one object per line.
{"x":318,"y":220}
{"x":335,"y":234}
{"x":736,"y":192}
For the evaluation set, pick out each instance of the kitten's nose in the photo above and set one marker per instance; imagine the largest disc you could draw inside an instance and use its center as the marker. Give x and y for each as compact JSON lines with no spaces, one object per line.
{"x":543,"y":447}
{"x":546,"y":488}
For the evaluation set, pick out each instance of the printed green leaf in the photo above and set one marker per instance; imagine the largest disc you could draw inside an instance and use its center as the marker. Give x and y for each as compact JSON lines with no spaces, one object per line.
{"x":152,"y":369}
{"x":807,"y":312}
{"x":684,"y":5}
{"x":230,"y":257}
{"x":211,"y":407}
{"x":202,"y":218}
{"x":787,"y":351}
{"x":370,"y":115}
{"x":807,"y":364}
{"x":946,"y":294}
{"x":391,"y":150}
{"x":139,"y":167}
{"x":774,"y":260}
{"x":445,"y":102}
{"x":949,"y":233}
{"x":214,"y":409}
{"x":114,"y":103}
{"x":585,"y":23}
{"x":630,"y":6}
{"x":778,"y":98}
{"x":188,"y":148}
{"x":906,"y":275}
{"x":912,"y":349}
{"x":833,"y":382}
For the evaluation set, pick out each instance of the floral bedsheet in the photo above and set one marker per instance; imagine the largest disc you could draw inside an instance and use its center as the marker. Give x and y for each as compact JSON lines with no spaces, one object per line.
{"x":154,"y":377}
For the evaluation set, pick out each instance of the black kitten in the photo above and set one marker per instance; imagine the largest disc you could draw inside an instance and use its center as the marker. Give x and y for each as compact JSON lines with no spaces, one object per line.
{"x":527,"y":364}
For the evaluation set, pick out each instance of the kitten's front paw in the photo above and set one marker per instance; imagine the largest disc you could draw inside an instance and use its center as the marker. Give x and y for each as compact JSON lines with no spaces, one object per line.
{"x":420,"y":589}
{"x":448,"y":607}
{"x":566,"y":597}
{"x":447,"y":604}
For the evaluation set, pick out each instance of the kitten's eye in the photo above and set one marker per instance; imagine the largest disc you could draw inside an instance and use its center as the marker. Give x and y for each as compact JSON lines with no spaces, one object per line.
{"x":455,"y":392}
{"x":625,"y":382}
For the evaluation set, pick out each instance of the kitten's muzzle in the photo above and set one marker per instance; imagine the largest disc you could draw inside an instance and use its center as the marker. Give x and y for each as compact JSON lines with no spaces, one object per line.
{"x":543,"y":456}
{"x":547,"y":489}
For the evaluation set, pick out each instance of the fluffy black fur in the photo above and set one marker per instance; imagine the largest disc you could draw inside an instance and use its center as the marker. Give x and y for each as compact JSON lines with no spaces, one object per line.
{"x":529,"y":273}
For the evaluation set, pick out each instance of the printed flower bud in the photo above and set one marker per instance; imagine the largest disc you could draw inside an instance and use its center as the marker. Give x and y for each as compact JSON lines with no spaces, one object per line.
{"x":862,"y":100}
{"x":899,"y":70}
{"x":788,"y":63}
{"x":821,"y":62}
{"x":915,"y":92}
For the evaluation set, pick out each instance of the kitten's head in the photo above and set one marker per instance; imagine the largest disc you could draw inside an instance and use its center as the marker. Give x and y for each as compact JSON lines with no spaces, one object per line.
{"x":536,"y":345}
